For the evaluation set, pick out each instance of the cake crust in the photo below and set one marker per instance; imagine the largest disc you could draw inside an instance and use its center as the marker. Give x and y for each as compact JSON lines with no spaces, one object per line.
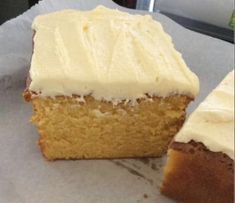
{"x":195,"y":174}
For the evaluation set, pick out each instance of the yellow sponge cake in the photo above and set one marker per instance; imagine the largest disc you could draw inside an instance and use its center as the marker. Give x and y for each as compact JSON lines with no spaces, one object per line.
{"x":106,"y":84}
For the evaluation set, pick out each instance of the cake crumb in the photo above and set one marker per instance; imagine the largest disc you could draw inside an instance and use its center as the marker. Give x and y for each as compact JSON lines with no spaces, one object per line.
{"x":154,"y":167}
{"x":145,"y":196}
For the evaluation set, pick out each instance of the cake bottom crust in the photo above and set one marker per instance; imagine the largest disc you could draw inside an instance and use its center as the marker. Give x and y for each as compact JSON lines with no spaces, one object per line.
{"x":70,"y":128}
{"x":193,"y":174}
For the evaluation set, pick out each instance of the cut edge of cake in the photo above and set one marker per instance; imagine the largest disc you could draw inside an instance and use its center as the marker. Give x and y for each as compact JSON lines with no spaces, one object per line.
{"x":99,"y":129}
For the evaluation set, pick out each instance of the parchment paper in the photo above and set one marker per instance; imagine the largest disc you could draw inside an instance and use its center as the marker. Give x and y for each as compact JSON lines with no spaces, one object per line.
{"x":25,"y":176}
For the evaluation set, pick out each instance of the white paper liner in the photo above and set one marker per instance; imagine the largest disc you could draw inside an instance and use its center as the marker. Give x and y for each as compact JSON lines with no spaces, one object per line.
{"x":25,"y":176}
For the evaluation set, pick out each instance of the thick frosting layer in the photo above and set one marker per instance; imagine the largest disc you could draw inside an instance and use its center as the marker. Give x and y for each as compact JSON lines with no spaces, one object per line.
{"x":109,"y":54}
{"x":212,"y":123}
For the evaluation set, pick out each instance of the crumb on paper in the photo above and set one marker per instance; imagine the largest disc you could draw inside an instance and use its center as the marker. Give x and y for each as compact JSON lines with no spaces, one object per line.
{"x":145,"y":196}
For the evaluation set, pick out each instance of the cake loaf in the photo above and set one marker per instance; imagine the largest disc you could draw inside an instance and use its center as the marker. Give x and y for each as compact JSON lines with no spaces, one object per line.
{"x":106,"y":84}
{"x":200,"y":165}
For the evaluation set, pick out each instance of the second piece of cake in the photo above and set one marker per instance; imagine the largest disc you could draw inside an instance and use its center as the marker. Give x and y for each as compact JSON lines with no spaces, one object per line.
{"x":200,"y":165}
{"x":106,"y":84}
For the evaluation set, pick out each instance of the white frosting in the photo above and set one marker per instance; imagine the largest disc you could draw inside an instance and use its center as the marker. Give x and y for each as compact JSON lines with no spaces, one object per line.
{"x":109,"y":54}
{"x":212,"y":123}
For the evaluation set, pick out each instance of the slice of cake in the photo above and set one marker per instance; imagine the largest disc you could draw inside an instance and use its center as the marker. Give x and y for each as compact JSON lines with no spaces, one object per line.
{"x":106,"y":84}
{"x":200,"y":165}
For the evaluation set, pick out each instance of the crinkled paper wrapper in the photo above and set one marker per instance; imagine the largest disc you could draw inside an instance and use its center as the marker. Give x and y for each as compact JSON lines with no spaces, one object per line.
{"x":25,"y":176}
